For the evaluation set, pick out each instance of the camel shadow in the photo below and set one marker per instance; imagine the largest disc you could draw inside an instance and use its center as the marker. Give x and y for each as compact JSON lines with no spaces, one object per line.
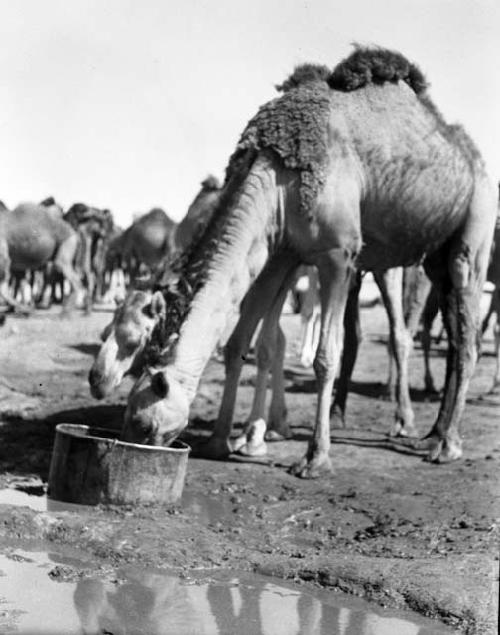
{"x":303,"y":380}
{"x":368,"y":439}
{"x":26,"y":444}
{"x":304,"y":383}
{"x":199,"y":430}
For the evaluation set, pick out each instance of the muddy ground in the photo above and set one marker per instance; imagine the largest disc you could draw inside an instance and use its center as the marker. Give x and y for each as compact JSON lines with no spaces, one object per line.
{"x":385,"y":525}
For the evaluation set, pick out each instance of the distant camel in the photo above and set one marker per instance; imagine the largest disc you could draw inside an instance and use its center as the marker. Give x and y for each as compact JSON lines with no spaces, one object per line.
{"x":92,"y":226}
{"x":36,"y":236}
{"x":199,"y":213}
{"x":354,"y":169}
{"x":147,"y":242}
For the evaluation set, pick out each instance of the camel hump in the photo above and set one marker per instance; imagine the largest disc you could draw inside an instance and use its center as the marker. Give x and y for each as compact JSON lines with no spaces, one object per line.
{"x":155,"y":216}
{"x":374,"y":65}
{"x":210,"y":183}
{"x":303,"y":74}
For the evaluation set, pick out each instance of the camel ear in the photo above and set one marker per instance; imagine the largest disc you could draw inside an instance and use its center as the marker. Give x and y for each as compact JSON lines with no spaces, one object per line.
{"x":106,"y":332}
{"x":159,"y":385}
{"x":157,"y":308}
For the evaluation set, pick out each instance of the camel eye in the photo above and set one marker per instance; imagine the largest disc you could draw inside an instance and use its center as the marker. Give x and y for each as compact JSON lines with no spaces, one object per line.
{"x":159,"y":385}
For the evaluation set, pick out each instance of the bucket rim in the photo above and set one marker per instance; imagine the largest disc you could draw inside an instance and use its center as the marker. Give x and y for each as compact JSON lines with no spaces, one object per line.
{"x":69,"y":429}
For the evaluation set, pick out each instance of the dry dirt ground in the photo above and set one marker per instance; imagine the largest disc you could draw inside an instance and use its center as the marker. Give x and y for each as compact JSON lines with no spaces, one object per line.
{"x":385,"y":525}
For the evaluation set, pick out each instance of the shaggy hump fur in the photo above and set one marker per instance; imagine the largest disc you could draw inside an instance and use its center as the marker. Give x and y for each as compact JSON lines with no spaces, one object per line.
{"x":376,"y":66}
{"x":294,"y":126}
{"x":302,"y":74}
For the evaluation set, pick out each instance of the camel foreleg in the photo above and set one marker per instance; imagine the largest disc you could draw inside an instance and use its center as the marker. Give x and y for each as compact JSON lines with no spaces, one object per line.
{"x":257,"y":302}
{"x":270,"y":357}
{"x":335,"y":269}
{"x":352,"y":338}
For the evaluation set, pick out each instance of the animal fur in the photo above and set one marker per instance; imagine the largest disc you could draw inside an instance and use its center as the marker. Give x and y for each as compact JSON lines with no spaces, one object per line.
{"x":303,"y":74}
{"x":376,"y":66}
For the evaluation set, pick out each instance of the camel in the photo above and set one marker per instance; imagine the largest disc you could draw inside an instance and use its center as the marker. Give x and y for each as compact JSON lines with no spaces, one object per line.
{"x":199,"y":213}
{"x":31,"y":283}
{"x":35,"y":236}
{"x":354,"y":169}
{"x":147,"y":242}
{"x":92,"y":226}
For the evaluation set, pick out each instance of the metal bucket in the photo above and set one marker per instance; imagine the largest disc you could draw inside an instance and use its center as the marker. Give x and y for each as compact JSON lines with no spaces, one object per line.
{"x":91,"y":465}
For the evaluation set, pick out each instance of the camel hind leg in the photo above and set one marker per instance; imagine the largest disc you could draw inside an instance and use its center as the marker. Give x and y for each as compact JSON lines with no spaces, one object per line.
{"x":495,"y":303}
{"x":431,"y":310}
{"x":63,"y":262}
{"x":390,"y":283}
{"x":459,"y":272}
{"x":309,"y":317}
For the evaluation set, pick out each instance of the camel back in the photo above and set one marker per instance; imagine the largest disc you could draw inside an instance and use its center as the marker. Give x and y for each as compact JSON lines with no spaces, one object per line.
{"x":293,"y":126}
{"x":156,"y":215}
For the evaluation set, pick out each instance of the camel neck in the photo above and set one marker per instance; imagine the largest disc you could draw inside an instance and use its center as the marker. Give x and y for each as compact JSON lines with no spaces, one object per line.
{"x":241,"y":252}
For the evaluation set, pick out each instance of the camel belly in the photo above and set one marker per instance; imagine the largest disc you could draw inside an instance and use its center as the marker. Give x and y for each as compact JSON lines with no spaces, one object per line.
{"x":401,"y":230}
{"x":31,"y":249}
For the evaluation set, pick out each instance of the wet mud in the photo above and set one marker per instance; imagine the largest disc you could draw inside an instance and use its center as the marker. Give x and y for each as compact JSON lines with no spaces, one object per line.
{"x":386,"y":526}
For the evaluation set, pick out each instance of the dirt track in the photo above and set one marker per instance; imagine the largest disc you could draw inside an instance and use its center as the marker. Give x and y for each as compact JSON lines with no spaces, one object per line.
{"x":386,"y":525}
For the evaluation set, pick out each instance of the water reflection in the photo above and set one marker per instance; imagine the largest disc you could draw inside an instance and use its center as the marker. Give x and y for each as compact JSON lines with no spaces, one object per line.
{"x":160,"y":604}
{"x":165,"y":605}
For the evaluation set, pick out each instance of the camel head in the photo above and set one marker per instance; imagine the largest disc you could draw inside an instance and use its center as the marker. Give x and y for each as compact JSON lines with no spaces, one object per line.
{"x":158,"y":406}
{"x":124,"y":340}
{"x":157,"y":409}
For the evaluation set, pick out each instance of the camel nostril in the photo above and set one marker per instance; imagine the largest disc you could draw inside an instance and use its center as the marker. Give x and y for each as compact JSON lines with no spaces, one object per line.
{"x":94,"y":376}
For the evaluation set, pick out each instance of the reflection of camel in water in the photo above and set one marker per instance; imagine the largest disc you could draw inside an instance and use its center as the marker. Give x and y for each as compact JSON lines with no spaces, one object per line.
{"x":147,"y":603}
{"x":164,"y":605}
{"x":355,"y":169}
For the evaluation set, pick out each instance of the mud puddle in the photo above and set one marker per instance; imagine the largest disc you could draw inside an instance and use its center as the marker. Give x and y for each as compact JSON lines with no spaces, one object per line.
{"x":45,"y":592}
{"x":37,"y":502}
{"x":205,"y":509}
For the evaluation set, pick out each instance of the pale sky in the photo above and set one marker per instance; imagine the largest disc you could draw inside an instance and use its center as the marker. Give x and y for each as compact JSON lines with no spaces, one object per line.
{"x":129,"y":104}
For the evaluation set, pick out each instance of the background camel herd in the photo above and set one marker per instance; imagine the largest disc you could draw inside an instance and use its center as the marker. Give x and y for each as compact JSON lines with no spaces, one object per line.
{"x":80,"y":257}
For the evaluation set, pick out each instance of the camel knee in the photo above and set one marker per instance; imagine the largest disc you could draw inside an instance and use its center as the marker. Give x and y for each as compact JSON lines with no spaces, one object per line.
{"x":234,"y":355}
{"x":324,"y":367}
